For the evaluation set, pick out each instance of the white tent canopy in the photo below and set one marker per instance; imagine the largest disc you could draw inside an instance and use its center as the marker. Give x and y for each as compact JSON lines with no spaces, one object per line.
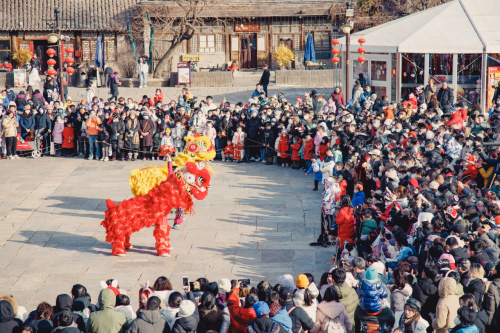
{"x":459,"y":26}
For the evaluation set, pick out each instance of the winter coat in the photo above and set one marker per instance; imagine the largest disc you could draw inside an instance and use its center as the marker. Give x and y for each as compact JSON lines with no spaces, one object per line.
{"x":115,"y":129}
{"x":178,"y":136}
{"x":322,"y":152}
{"x":189,"y":323}
{"x":426,"y":292}
{"x":107,"y":320}
{"x":128,"y":311}
{"x":68,"y":137}
{"x":491,"y":302}
{"x":465,"y":329}
{"x":73,"y":328}
{"x":93,"y":125}
{"x":328,"y":202}
{"x":371,"y":295}
{"x":315,"y":167}
{"x":477,"y":288}
{"x":57,"y":133}
{"x":142,"y":67}
{"x":295,"y":150}
{"x":419,"y":327}
{"x":146,"y":126}
{"x":27,"y":123}
{"x":113,"y":83}
{"x":399,"y":297}
{"x":268,"y":139}
{"x":459,"y":252}
{"x":349,"y":298}
{"x":210,"y":133}
{"x":338,"y":98}
{"x":9,"y":127}
{"x":39,"y":325}
{"x":283,"y":146}
{"x":445,"y":98}
{"x":356,"y":98}
{"x":240,"y":317}
{"x":298,"y":300}
{"x":331,"y":311}
{"x":64,"y":302}
{"x":308,"y":150}
{"x":264,"y":325}
{"x":42,"y":121}
{"x":284,"y":320}
{"x":131,"y":140}
{"x":169,"y":314}
{"x":456,"y":119}
{"x":358,"y":198}
{"x":345,"y":221}
{"x":8,"y":322}
{"x":20,"y":101}
{"x":299,"y":317}
{"x":158,"y":98}
{"x":210,"y":320}
{"x":149,"y":322}
{"x":327,"y":168}
{"x":447,"y":306}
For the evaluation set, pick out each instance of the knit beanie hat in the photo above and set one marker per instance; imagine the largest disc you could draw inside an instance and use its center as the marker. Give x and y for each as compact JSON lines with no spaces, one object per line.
{"x":261,"y":309}
{"x":371,"y":274}
{"x":302,"y":281}
{"x":186,"y":308}
{"x":224,"y":285}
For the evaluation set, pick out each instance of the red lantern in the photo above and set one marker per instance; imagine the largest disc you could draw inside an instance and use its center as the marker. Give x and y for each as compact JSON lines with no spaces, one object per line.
{"x":51,"y":52}
{"x":361,"y":50}
{"x":335,"y":60}
{"x":335,"y":51}
{"x":361,"y":59}
{"x":361,"y":41}
{"x":70,"y":70}
{"x":69,"y":61}
{"x":51,"y":62}
{"x":335,"y":42}
{"x":51,"y":72}
{"x":69,"y":50}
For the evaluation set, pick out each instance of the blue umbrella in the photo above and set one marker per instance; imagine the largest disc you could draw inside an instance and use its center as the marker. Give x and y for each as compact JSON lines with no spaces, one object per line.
{"x":99,"y":52}
{"x":310,"y":55}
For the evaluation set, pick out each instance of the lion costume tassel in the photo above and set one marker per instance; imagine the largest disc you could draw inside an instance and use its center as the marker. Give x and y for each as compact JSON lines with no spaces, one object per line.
{"x":157,"y":191}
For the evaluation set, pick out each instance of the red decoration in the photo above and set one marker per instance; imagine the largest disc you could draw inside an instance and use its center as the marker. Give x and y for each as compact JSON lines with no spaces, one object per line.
{"x":335,"y":42}
{"x":51,"y":62}
{"x":51,"y":52}
{"x":361,"y":41}
{"x":166,"y":150}
{"x":70,"y":70}
{"x":361,"y":59}
{"x":361,"y":50}
{"x":335,"y":60}
{"x":69,"y":50}
{"x":70,"y":61}
{"x":335,"y":51}
{"x":51,"y":72}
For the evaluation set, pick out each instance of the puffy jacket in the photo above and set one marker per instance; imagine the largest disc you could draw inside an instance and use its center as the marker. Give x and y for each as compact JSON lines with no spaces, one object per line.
{"x":447,"y":306}
{"x":371,"y":295}
{"x":491,"y":302}
{"x":299,"y":317}
{"x":57,"y":133}
{"x":477,"y":288}
{"x":27,"y":123}
{"x":264,"y":325}
{"x":358,"y":198}
{"x":399,"y":297}
{"x":315,"y":167}
{"x":308,"y":150}
{"x":461,"y":329}
{"x":445,"y":98}
{"x":330,"y":311}
{"x":284,"y":320}
{"x":42,"y":121}
{"x":459,"y":253}
{"x":295,"y":150}
{"x":456,"y":118}
{"x":93,"y":125}
{"x":349,"y":298}
{"x":149,"y":322}
{"x":345,"y":221}
{"x":426,"y":292}
{"x":107,"y":320}
{"x":9,"y":126}
{"x":338,"y":98}
{"x":283,"y":146}
{"x":189,"y":323}
{"x":8,"y":322}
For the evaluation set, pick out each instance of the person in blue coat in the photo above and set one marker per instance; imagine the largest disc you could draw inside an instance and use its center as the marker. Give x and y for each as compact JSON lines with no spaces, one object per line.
{"x":359,"y":196}
{"x":316,"y":167}
{"x":27,"y":123}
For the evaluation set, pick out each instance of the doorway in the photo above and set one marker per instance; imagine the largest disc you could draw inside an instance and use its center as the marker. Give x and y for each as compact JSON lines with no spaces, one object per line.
{"x":40,"y":49}
{"x":376,"y":70}
{"x":248,"y":51}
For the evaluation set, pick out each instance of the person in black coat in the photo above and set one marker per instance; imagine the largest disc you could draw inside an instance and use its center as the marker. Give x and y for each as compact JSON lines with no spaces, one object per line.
{"x":188,"y":317}
{"x":64,"y":304}
{"x":253,"y":129}
{"x":445,"y":97}
{"x":66,"y":323}
{"x":268,"y":139}
{"x":300,"y":319}
{"x":113,"y":85}
{"x":264,"y":79}
{"x":477,"y":253}
{"x":264,"y":324}
{"x":8,"y":322}
{"x":43,"y":127}
{"x":426,"y":291}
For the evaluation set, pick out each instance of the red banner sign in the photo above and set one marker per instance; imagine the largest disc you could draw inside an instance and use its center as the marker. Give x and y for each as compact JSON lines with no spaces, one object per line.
{"x":247,"y":26}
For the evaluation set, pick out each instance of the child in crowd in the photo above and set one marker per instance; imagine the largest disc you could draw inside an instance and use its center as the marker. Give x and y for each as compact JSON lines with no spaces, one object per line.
{"x":57,"y":135}
{"x":68,"y":144}
{"x":315,"y":167}
{"x":104,"y":139}
{"x":295,"y":152}
{"x":283,"y":148}
{"x":239,"y":141}
{"x":323,"y":148}
{"x":178,"y":136}
{"x":308,"y":150}
{"x":229,"y":152}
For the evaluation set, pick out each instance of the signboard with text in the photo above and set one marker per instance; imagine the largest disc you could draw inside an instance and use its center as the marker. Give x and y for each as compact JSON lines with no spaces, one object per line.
{"x":247,"y":26}
{"x":183,"y":74}
{"x":493,"y":81}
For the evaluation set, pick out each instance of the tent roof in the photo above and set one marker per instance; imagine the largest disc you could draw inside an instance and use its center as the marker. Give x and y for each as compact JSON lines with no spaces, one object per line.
{"x":459,"y":26}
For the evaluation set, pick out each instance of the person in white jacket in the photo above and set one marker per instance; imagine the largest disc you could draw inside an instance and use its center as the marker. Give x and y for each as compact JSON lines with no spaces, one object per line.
{"x":210,"y":132}
{"x":123,"y":306}
{"x":34,"y":79}
{"x":199,"y":122}
{"x":142,"y":70}
{"x":306,"y":299}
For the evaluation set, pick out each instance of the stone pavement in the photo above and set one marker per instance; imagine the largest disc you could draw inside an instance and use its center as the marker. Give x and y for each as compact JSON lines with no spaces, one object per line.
{"x":257,"y":222}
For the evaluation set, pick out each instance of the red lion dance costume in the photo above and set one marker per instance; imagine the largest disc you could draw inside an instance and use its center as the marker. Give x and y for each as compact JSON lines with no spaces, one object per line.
{"x":169,"y":190}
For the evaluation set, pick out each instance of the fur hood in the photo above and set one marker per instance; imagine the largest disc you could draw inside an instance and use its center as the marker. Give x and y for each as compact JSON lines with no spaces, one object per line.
{"x":447,"y":287}
{"x":12,"y":301}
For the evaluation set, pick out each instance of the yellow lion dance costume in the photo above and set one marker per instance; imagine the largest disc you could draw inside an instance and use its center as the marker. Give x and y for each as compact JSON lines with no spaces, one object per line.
{"x":197,"y":148}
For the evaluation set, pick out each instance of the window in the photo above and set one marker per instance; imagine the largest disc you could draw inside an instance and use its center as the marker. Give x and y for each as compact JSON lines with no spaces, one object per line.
{"x":207,"y":43}
{"x":321,"y":41}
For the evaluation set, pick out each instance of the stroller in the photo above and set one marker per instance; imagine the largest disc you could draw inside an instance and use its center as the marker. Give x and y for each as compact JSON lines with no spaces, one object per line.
{"x":34,"y":145}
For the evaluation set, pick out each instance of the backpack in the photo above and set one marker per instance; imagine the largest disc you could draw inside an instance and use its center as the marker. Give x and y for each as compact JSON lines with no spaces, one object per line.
{"x":333,"y":326}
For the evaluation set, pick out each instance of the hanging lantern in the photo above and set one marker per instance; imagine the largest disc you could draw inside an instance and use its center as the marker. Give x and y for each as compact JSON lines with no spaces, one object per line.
{"x":51,"y":72}
{"x":361,"y":50}
{"x":69,"y":61}
{"x":361,"y":41}
{"x":51,"y":52}
{"x":70,"y":70}
{"x":335,"y":60}
{"x":51,"y":62}
{"x":335,"y":42}
{"x":69,"y":50}
{"x":335,"y":51}
{"x":361,"y":59}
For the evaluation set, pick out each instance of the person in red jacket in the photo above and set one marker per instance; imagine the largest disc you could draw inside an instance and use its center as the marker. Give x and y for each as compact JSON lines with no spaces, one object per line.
{"x":339,"y":179}
{"x":283,"y":148}
{"x":308,"y":150}
{"x":297,"y":143}
{"x":146,"y":99}
{"x":472,"y":170}
{"x":68,"y":144}
{"x":158,"y":96}
{"x":456,"y":120}
{"x":338,"y":97}
{"x":322,"y":148}
{"x":345,"y":221}
{"x":462,"y":108}
{"x":240,"y":317}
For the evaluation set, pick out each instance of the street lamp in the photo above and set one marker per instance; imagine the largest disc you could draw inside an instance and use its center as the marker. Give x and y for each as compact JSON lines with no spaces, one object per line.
{"x":346,"y":29}
{"x":53,"y":38}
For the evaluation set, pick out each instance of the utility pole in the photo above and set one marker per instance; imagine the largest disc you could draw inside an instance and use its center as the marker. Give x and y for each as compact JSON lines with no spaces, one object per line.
{"x":60,"y":51}
{"x":346,"y":28}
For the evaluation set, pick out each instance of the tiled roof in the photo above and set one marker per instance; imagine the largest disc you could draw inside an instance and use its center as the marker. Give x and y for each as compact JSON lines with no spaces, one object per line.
{"x":90,"y":15}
